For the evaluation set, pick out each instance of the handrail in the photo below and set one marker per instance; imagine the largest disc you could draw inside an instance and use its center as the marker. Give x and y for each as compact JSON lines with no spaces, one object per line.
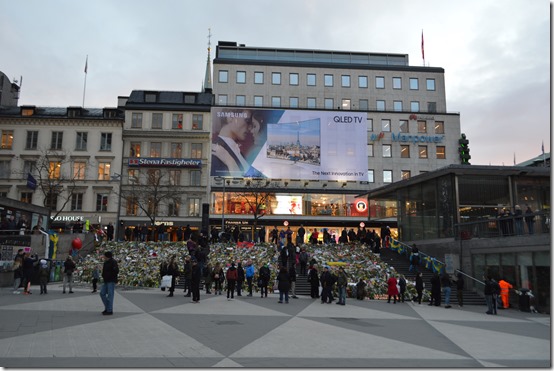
{"x":468,"y":276}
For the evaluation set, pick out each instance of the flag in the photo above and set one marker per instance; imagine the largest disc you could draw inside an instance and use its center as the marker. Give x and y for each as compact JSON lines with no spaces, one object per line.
{"x":422,"y":48}
{"x":514,"y":159}
{"x":542,"y":147}
{"x":31,"y":182}
{"x":86,"y":65}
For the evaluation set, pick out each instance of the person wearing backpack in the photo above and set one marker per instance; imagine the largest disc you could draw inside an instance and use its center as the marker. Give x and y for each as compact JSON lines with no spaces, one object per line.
{"x":231,"y":276}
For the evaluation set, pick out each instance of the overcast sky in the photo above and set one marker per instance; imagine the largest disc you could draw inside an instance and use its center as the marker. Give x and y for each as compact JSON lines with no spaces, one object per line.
{"x":496,"y":54}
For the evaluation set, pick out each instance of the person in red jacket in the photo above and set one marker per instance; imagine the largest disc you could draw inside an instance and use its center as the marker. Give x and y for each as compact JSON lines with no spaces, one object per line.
{"x":392,"y":289}
{"x":504,"y":292}
{"x":232,"y":275}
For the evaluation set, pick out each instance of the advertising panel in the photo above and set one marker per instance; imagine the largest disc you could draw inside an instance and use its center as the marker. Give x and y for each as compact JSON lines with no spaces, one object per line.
{"x":289,"y":144}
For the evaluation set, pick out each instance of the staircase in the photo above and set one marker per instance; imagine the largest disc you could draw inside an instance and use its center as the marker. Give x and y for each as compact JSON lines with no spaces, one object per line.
{"x":303,"y":287}
{"x":401,"y":264}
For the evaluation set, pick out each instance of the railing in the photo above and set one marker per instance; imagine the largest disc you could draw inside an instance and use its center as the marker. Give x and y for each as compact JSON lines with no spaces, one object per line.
{"x":536,"y":223}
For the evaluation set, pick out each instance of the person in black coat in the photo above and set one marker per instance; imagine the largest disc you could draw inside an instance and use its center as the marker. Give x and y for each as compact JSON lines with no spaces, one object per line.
{"x":284,"y":284}
{"x":240,"y":278}
{"x":419,"y":286}
{"x":264,"y":274}
{"x":28,"y":269}
{"x":435,"y":290}
{"x":172,"y":270}
{"x":327,"y":282}
{"x":313,"y":279}
{"x":195,"y":277}
{"x":187,"y":271}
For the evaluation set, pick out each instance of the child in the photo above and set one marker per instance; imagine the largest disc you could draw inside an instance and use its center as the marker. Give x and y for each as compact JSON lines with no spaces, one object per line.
{"x":43,"y":274}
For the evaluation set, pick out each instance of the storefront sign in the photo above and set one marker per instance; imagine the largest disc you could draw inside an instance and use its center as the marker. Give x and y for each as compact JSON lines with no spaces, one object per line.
{"x":165,"y":162}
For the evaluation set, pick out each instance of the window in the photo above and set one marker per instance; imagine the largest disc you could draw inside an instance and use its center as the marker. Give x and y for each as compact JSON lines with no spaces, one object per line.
{"x":32,"y":140}
{"x":293,"y":102}
{"x":387,"y":150}
{"x":422,"y":151}
{"x":431,"y":84}
{"x":405,"y":151}
{"x":222,"y":99}
{"x":223,"y":76}
{"x":176,"y":150}
{"x":196,"y":150}
{"x":422,"y":126}
{"x":432,"y":107}
{"x":81,"y":143}
{"x":387,"y":176}
{"x":379,"y":82}
{"x":404,"y":126}
{"x":276,"y":78}
{"x":194,"y":207}
{"x":362,"y":82}
{"x":153,"y":177}
{"x":441,"y":152}
{"x":345,"y":81}
{"x":101,"y":202}
{"x":197,"y":121}
{"x":177,"y":121}
{"x":136,"y":120}
{"x":385,"y":125}
{"x":241,"y":77}
{"x":173,"y":207}
{"x":345,"y":104}
{"x":195,"y":178}
{"x":369,"y":124}
{"x":405,"y":174}
{"x":370,"y":150}
{"x":26,"y":197}
{"x":397,"y":105}
{"x":240,"y":100}
{"x":104,"y":170}
{"x":275,"y":101}
{"x":328,"y":80}
{"x":258,"y":101}
{"x":133,"y":176}
{"x":27,"y":111}
{"x":414,"y":106}
{"x":51,"y":201}
{"x":311,"y":103}
{"x":439,"y":127}
{"x":175,"y":177}
{"x":381,"y":105}
{"x":258,"y":77}
{"x":135,"y":149}
{"x":397,"y":83}
{"x":329,"y":103}
{"x":132,"y":206}
{"x":157,"y":120}
{"x":150,"y":97}
{"x":156,"y":149}
{"x":414,"y":83}
{"x":293,"y":79}
{"x":5,"y":170}
{"x":7,"y":139}
{"x":106,"y":142}
{"x":76,"y":202}
{"x":79,"y":168}
{"x":370,"y":176}
{"x":57,"y":139}
{"x":54,"y":169}
{"x":28,"y":167}
{"x":311,"y":79}
{"x":364,"y":104}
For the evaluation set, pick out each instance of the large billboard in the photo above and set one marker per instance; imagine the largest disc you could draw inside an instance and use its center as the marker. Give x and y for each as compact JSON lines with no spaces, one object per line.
{"x":289,"y":144}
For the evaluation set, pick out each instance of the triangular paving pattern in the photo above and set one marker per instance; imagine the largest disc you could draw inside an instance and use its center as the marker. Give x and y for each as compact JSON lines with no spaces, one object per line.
{"x":227,"y":363}
{"x":453,"y":314}
{"x":317,"y":309}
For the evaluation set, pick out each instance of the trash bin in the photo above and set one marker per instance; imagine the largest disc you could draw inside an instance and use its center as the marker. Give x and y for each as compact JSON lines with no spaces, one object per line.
{"x":524,"y":302}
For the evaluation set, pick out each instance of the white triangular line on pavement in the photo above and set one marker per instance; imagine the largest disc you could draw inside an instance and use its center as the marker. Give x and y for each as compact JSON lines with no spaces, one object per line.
{"x":453,"y":314}
{"x":227,"y":363}
{"x":278,"y":342}
{"x":349,"y":311}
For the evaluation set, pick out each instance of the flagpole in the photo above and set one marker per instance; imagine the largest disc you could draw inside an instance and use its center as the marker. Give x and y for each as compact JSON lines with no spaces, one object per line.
{"x":85,"y":87}
{"x":422,"y":48}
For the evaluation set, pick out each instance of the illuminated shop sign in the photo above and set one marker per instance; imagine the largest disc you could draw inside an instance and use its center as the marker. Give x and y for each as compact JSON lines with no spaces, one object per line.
{"x":165,"y":162}
{"x":400,"y":137}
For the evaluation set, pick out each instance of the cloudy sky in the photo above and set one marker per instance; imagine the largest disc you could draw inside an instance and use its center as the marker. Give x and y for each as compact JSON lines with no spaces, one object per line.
{"x":496,"y":54}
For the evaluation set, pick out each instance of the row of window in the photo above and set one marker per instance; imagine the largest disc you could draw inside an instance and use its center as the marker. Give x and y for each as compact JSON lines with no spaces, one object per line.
{"x":328,"y":103}
{"x":404,"y":126}
{"x":311,"y":79}
{"x":422,"y":151}
{"x":56,"y":141}
{"x":157,"y":120}
{"x":387,"y":175}
{"x":175,"y":150}
{"x":173,"y":207}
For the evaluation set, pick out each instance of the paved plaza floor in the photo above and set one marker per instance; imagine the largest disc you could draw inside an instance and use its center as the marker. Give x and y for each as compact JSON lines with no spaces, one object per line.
{"x":150,"y":330}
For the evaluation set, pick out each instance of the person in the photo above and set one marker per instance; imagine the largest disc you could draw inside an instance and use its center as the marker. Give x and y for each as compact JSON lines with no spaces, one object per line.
{"x":315,"y":236}
{"x":419,"y":286}
{"x":128,"y":233}
{"x":284,"y":256}
{"x":110,"y":231}
{"x":196,"y":276}
{"x":172,"y":269}
{"x":227,"y":159}
{"x":217,"y":276}
{"x":208,"y":277}
{"x":240,"y":278}
{"x":489,"y":295}
{"x":288,"y":235}
{"x":342,"y":282}
{"x":385,"y":236}
{"x":95,"y":278}
{"x":69,"y":267}
{"x":43,"y":275}
{"x":261,"y":234}
{"x":505,"y":287}
{"x":144,"y":233}
{"x":530,"y":220}
{"x":313,"y":279}
{"x":326,"y":286}
{"x":137,"y":233}
{"x":292,"y":277}
{"x":263,"y":279}
{"x":18,"y":271}
{"x":435,"y":290}
{"x":284,"y":284}
{"x":460,"y":289}
{"x":274,"y":235}
{"x":518,"y":220}
{"x":249,"y":274}
{"x":392,"y":290}
{"x":110,"y":270}
{"x":446,"y":284}
{"x":360,"y":289}
{"x":28,"y":268}
{"x":187,"y":271}
{"x":300,"y":236}
{"x":303,"y":260}
{"x":414,"y":259}
{"x":402,"y":286}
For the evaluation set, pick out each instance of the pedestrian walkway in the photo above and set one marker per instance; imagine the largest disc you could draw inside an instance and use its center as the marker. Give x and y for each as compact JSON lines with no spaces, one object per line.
{"x":150,"y":330}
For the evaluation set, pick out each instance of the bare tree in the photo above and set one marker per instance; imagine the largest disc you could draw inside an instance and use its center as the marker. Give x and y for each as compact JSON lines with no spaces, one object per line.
{"x":257,"y":196}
